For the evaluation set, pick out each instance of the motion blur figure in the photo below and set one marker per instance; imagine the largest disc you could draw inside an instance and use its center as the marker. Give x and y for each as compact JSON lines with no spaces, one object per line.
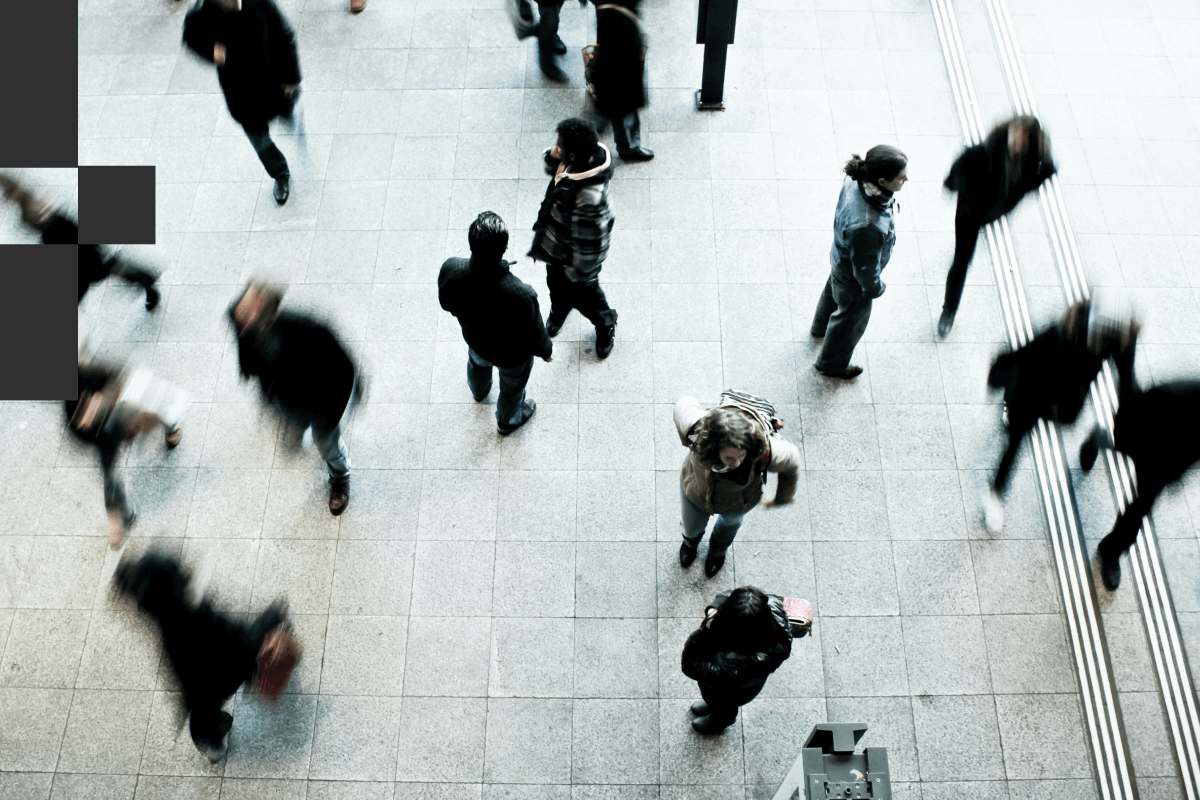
{"x":990,"y":179}
{"x":304,"y":371}
{"x":618,"y":75}
{"x":740,"y":642}
{"x":1050,"y":376}
{"x":1158,"y":430}
{"x":57,"y":228}
{"x":211,"y":653}
{"x":113,"y":408}
{"x":254,"y":49}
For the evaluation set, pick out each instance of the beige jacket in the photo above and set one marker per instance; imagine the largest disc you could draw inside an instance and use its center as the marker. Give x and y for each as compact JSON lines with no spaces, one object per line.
{"x":700,"y":483}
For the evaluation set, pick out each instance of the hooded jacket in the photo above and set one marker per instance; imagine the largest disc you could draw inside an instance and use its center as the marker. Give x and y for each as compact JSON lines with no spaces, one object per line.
{"x":980,"y":176}
{"x":619,"y":70}
{"x":864,"y":232}
{"x":260,"y":56}
{"x":737,"y":677}
{"x":574,"y":223}
{"x":498,"y":312}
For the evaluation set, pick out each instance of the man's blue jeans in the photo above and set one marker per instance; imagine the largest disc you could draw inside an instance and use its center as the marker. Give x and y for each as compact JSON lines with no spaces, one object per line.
{"x":509,"y":411}
{"x":695,"y":519}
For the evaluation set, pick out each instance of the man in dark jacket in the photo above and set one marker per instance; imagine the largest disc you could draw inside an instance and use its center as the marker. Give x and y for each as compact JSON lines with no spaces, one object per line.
{"x":304,"y":371}
{"x":57,"y":228}
{"x":212,"y":654}
{"x":500,"y":318}
{"x":990,"y":179}
{"x":573,"y":229}
{"x":619,"y":76}
{"x":258,"y":67}
{"x":1158,"y":430}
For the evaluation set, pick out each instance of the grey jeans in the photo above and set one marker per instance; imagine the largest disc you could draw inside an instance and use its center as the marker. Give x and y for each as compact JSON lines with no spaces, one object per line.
{"x":695,"y":519}
{"x":842,"y":315}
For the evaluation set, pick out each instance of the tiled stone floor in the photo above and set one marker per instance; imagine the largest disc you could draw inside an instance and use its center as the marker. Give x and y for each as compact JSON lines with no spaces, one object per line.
{"x":502,"y":618}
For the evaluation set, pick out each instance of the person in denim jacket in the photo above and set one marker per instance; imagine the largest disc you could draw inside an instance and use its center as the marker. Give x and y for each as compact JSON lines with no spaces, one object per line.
{"x":863,"y":235}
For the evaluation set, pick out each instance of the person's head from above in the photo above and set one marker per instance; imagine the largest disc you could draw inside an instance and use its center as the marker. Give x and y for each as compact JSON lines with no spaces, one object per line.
{"x":885,"y":167}
{"x":1022,"y":133}
{"x":258,"y":307}
{"x":577,"y":142}
{"x":488,"y":237}
{"x":727,"y":438}
{"x":744,"y":620}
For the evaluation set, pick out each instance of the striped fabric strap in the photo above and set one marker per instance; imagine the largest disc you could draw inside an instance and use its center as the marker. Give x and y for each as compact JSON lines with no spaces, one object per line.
{"x":734,"y":400}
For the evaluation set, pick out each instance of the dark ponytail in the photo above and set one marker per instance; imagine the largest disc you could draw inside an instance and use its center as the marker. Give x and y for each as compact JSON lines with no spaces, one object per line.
{"x":882,"y":161}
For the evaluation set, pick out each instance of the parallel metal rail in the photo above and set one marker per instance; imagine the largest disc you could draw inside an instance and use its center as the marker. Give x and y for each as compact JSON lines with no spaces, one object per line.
{"x":1162,"y":628}
{"x":1098,"y":692}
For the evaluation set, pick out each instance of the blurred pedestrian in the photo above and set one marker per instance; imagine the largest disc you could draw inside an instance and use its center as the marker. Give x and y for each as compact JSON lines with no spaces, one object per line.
{"x":731,"y":448}
{"x":57,"y":228}
{"x":744,"y":637}
{"x":304,"y":371}
{"x":991,"y":178}
{"x":549,"y":44}
{"x":521,"y":14}
{"x":864,"y":232}
{"x":1050,"y":376}
{"x":1157,"y":429}
{"x":212,"y":654}
{"x":573,"y":229}
{"x":618,"y":76}
{"x":114,"y":407}
{"x":254,"y":49}
{"x":500,"y":319}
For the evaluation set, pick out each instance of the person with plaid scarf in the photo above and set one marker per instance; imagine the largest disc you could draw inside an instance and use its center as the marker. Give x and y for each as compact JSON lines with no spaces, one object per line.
{"x":573,"y":229}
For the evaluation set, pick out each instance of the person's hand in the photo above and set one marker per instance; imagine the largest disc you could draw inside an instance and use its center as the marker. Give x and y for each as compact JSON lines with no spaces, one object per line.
{"x":289,"y":88}
{"x":548,"y":358}
{"x":777,"y":424}
{"x":219,"y":54}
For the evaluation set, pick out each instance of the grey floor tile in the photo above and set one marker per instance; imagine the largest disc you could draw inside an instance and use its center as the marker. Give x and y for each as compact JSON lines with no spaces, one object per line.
{"x":935,"y":578}
{"x":1028,"y":653}
{"x":840,"y":437}
{"x":458,"y":504}
{"x":121,"y":651}
{"x":629,"y":755}
{"x":68,"y":786}
{"x":447,"y":657}
{"x":924,"y":505}
{"x":957,"y":732}
{"x":528,"y":740}
{"x":442,"y":739}
{"x":864,"y":657}
{"x":44,"y":649}
{"x":364,"y":656}
{"x":272,"y":741}
{"x":105,"y":732}
{"x":536,"y":506}
{"x":531,"y":657}
{"x":160,"y":788}
{"x":686,"y":592}
{"x":616,"y":506}
{"x":466,"y":566}
{"x":946,"y":655}
{"x":1042,"y":736}
{"x":913,"y":437}
{"x":774,"y":733}
{"x":616,"y":658}
{"x":615,"y":579}
{"x":534,"y":579}
{"x":845,"y":569}
{"x":1014,"y":577}
{"x":889,"y":724}
{"x":355,"y":738}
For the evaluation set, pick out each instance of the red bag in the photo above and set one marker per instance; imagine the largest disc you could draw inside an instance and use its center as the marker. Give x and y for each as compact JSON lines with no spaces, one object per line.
{"x":276,"y":662}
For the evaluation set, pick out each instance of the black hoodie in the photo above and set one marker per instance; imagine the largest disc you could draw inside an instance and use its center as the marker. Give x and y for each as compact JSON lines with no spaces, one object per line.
{"x":499,"y":313}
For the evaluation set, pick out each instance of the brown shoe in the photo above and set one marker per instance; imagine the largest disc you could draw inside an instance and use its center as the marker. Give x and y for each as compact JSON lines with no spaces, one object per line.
{"x":357,"y":5}
{"x":173,"y":438}
{"x":339,"y":495}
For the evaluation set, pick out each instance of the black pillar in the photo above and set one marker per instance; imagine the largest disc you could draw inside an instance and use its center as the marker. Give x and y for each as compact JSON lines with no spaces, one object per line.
{"x":714,"y":29}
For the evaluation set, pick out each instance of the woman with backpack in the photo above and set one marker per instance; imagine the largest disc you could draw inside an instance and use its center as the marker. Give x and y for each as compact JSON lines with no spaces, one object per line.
{"x":745,"y":636}
{"x":731,"y":448}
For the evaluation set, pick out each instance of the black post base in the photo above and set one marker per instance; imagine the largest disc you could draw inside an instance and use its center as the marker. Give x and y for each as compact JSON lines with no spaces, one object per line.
{"x":716,"y":105}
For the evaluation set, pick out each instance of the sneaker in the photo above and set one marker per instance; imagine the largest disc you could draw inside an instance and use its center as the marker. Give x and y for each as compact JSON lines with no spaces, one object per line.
{"x":527,"y":409}
{"x":605,"y":338}
{"x":993,"y":511}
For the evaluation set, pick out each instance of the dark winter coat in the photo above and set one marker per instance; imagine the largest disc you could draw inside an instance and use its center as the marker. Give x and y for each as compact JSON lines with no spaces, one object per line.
{"x":864,"y":232}
{"x":498,"y":312}
{"x":574,"y":224}
{"x":301,"y":367}
{"x":260,"y":56}
{"x":979,"y":175}
{"x":1049,"y":378}
{"x":619,"y":70}
{"x":93,"y":267}
{"x":732,"y":678}
{"x":1157,"y":429}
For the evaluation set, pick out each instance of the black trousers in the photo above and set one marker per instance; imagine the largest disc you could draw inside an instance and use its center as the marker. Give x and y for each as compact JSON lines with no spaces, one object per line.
{"x":547,"y":32}
{"x":966,"y":236}
{"x":842,"y":316}
{"x":723,"y":705}
{"x":1018,"y":426}
{"x":586,"y":297}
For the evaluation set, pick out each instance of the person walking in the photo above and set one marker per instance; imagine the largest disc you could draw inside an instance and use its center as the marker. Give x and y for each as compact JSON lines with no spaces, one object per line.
{"x":304,"y":371}
{"x":57,"y":228}
{"x":573,"y":229}
{"x":731,"y":448}
{"x":864,"y":232}
{"x":1050,"y":376}
{"x":550,"y":46}
{"x":1157,"y":430}
{"x":990,"y":179}
{"x":618,"y":76}
{"x":254,"y":49}
{"x":500,"y":319}
{"x":744,"y":637}
{"x":212,"y":654}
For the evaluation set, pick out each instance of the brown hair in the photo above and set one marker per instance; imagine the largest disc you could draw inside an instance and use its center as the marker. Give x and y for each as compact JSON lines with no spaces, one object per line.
{"x":727,"y":427}
{"x":882,"y":161}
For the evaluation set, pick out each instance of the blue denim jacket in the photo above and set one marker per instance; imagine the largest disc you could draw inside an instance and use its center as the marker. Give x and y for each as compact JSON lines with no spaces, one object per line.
{"x":863,"y":234}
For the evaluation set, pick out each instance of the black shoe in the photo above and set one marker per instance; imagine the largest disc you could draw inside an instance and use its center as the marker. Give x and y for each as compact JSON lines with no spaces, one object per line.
{"x":713,"y":564}
{"x":1087,"y":455}
{"x":554,"y":324}
{"x":637,"y":154}
{"x":704,"y":725}
{"x":281,"y":190}
{"x":1110,"y":573}
{"x":816,"y":334}
{"x":845,"y":373}
{"x":339,"y":495}
{"x":686,"y":555}
{"x":554,"y":73}
{"x":527,"y":409}
{"x":945,"y":323}
{"x":152,"y":298}
{"x":605,"y":337}
{"x":700,"y":708}
{"x":560,"y":47}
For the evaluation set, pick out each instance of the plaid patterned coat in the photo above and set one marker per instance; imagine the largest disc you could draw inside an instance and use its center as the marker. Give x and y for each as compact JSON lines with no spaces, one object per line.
{"x":575,"y":223}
